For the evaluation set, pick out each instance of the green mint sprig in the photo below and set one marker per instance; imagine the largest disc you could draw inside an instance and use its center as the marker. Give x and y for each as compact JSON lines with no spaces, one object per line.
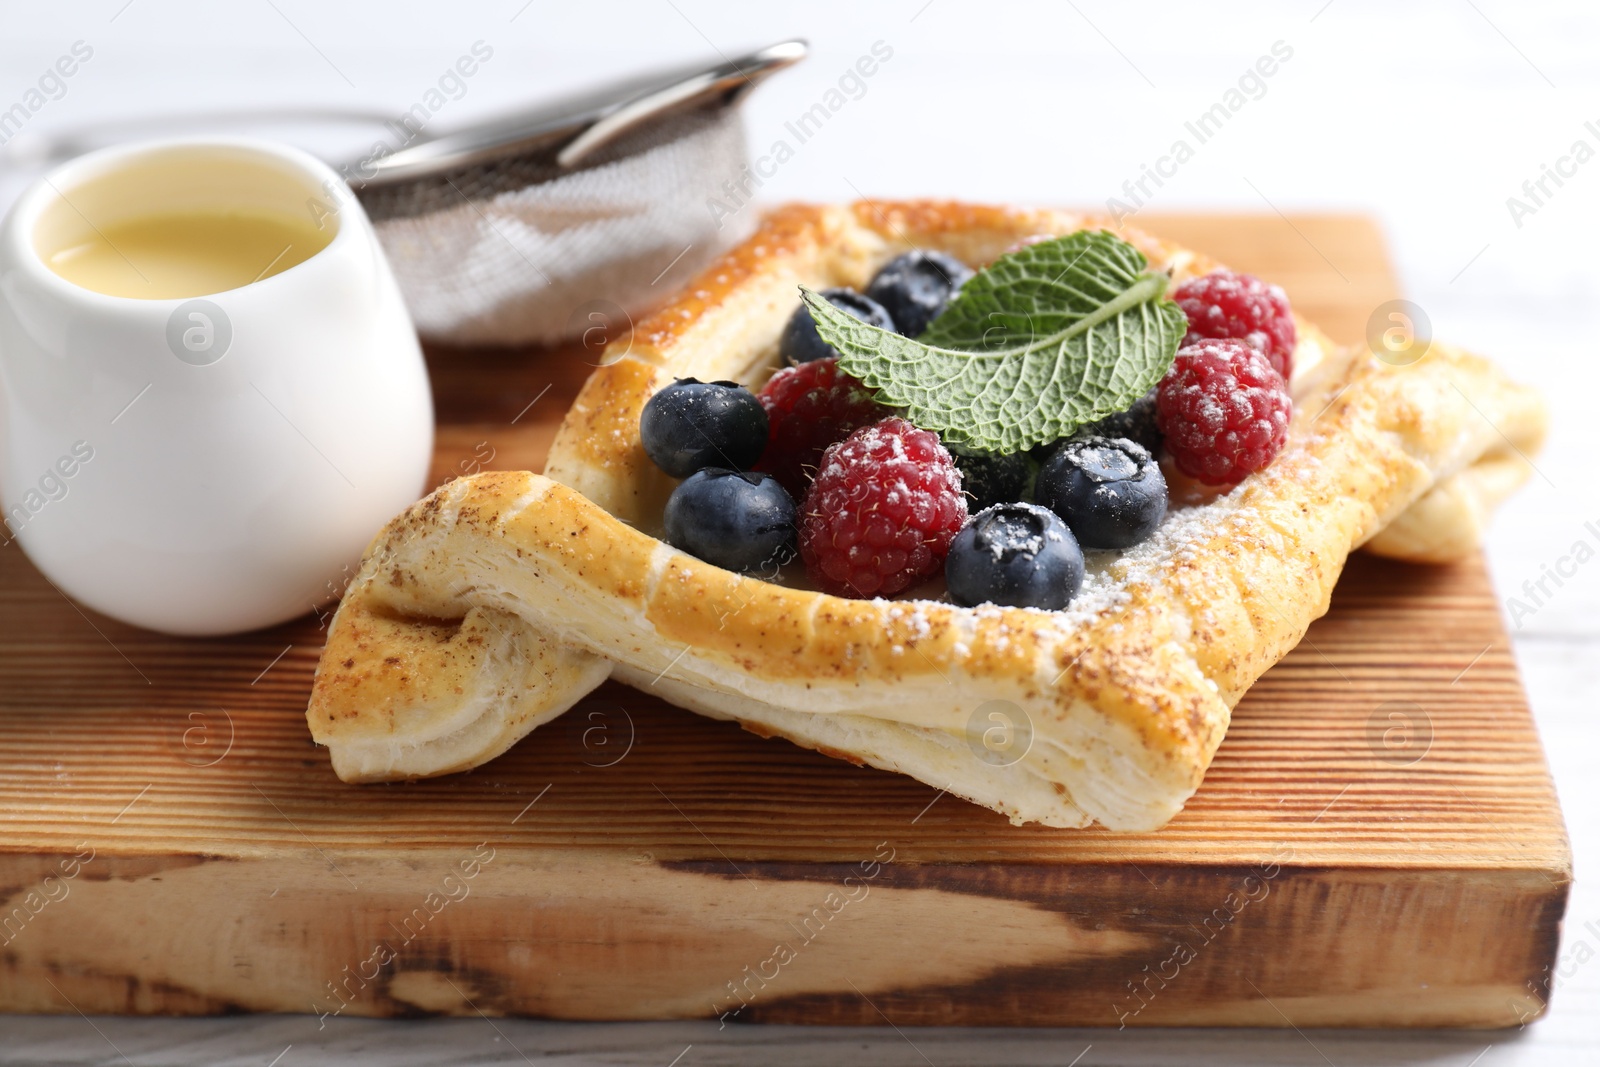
{"x":1044,"y":340}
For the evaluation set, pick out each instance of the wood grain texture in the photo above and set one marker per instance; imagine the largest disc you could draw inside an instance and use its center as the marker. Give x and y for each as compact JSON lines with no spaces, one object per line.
{"x":1377,"y":842}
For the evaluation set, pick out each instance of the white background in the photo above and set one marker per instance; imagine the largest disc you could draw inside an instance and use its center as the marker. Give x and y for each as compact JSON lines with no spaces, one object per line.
{"x":1428,"y":116}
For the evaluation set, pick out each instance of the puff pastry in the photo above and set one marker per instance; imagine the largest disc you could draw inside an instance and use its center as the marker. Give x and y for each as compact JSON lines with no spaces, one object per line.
{"x":500,"y":600}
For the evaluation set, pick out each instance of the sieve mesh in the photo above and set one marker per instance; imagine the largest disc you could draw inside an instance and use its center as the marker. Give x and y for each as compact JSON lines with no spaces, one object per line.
{"x":509,"y":251}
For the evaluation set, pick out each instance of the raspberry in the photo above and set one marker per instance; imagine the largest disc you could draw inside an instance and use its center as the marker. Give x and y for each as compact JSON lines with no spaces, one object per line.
{"x":810,"y":407}
{"x":882,"y":511}
{"x":1227,"y":305}
{"x":1224,"y":411}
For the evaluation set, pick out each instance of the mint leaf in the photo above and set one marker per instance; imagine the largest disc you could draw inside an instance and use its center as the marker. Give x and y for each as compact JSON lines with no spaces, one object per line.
{"x":1044,"y":340}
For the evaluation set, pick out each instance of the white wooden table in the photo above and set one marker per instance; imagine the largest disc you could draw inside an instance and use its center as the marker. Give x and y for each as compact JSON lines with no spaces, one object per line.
{"x":1431,"y":117}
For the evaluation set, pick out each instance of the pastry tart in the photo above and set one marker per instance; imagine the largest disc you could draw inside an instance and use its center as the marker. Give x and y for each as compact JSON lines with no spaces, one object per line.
{"x":501,"y":599}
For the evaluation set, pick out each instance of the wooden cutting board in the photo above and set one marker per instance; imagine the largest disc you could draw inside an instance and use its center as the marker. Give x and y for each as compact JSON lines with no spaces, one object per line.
{"x":1377,"y":843}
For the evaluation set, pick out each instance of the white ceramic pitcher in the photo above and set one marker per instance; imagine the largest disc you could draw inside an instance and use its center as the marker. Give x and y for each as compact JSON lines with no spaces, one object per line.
{"x":214,"y":464}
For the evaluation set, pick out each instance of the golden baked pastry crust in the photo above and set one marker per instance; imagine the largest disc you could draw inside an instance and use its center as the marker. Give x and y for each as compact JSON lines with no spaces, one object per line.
{"x":501,"y":599}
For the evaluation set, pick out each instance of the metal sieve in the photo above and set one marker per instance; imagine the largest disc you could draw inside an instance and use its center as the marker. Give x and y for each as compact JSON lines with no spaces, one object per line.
{"x":505,"y":232}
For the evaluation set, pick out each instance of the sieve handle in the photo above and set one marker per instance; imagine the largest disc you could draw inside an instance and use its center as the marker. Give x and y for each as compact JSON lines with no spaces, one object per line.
{"x":570,"y":130}
{"x":731,"y":80}
{"x":37,"y":150}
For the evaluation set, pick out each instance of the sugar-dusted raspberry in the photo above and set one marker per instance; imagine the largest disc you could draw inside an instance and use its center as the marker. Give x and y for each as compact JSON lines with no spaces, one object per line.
{"x":882,"y":511}
{"x":1225,"y":304}
{"x":809,"y":407}
{"x":1224,"y":411}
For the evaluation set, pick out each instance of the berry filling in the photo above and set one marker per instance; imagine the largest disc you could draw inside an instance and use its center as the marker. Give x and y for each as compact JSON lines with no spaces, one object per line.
{"x":1004,"y":511}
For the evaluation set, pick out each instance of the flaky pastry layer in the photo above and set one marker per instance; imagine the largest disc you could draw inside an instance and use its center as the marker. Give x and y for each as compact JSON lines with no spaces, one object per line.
{"x":501,"y":599}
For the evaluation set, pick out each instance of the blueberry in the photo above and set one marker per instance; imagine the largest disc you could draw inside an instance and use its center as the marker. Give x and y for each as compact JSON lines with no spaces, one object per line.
{"x":989,"y":478}
{"x":800,"y":342}
{"x":1017,"y":555}
{"x":1108,"y":489}
{"x":691,"y":425}
{"x":735,"y":520}
{"x":1137,"y":424}
{"x":916,"y":286}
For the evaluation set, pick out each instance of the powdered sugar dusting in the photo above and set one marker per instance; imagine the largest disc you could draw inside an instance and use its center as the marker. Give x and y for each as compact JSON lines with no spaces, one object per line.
{"x":912,"y":614}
